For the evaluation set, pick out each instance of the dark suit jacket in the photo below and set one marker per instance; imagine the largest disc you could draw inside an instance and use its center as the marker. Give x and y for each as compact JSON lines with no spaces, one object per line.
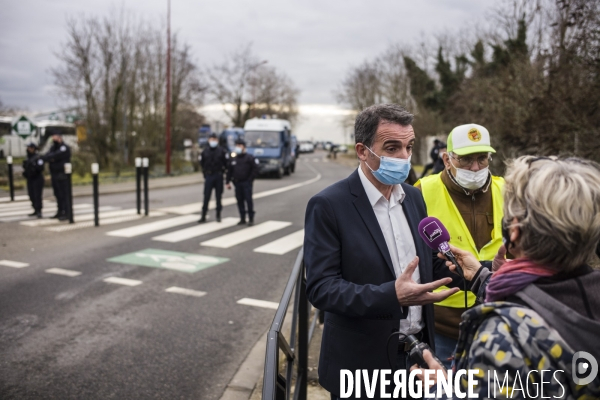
{"x":350,"y":276}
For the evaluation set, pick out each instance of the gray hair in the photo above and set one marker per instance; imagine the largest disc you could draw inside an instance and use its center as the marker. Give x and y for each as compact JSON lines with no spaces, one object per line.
{"x":369,"y":119}
{"x":557,"y":204}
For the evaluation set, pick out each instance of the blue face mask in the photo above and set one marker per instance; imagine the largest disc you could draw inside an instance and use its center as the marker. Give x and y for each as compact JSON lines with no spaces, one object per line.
{"x":213,"y":143}
{"x":391,"y":171}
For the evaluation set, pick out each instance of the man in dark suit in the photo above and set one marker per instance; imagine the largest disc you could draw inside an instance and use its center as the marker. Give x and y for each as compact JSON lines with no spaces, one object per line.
{"x":366,"y":266}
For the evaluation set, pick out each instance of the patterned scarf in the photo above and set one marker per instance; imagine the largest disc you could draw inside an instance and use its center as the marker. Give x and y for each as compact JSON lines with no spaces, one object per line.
{"x":513,"y":276}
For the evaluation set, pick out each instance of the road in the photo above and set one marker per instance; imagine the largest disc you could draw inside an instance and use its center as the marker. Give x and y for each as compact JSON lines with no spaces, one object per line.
{"x":67,"y":333}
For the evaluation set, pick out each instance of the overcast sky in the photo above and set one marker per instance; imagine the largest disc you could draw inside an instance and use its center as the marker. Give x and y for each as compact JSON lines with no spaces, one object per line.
{"x":314,"y":42}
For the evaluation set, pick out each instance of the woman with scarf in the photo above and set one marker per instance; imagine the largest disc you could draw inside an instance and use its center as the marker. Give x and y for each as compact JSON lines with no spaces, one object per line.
{"x":543,"y":307}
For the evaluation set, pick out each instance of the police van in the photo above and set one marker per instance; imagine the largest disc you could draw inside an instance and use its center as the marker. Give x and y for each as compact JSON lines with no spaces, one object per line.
{"x":16,"y":146}
{"x":270,"y":141}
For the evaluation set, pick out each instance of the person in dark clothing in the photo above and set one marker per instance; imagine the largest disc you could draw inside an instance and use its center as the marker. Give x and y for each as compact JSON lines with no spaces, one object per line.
{"x":438,"y":165}
{"x":434,"y":154}
{"x":57,"y":157}
{"x":214,"y":162}
{"x":33,"y":171}
{"x":243,"y":169}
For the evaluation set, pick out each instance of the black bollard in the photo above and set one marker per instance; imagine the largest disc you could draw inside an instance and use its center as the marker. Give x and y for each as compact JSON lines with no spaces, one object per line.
{"x":138,"y":184}
{"x":95,"y":171}
{"x":68,"y":172}
{"x":11,"y":183}
{"x":145,"y":165}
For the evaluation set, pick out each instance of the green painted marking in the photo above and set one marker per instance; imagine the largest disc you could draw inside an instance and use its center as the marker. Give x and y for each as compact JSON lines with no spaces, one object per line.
{"x":173,"y":260}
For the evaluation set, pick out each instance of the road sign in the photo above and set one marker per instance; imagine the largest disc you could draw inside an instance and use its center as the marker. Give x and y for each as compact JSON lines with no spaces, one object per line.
{"x":22,"y":126}
{"x":173,"y":260}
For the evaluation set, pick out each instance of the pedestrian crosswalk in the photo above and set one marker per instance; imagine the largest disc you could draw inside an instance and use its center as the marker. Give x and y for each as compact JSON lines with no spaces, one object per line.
{"x":244,"y":235}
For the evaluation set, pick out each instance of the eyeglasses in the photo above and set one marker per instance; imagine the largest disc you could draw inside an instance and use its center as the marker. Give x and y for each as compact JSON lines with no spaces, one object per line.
{"x":467,"y":161}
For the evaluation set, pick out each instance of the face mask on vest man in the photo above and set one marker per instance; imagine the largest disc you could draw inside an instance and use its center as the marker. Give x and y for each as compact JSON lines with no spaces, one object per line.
{"x":471,"y":180}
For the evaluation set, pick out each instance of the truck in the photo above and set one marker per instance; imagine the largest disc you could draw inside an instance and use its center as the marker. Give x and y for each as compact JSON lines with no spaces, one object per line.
{"x":270,"y":141}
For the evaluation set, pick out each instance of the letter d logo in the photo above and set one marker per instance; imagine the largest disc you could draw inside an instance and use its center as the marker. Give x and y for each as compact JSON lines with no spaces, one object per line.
{"x":579,"y":368}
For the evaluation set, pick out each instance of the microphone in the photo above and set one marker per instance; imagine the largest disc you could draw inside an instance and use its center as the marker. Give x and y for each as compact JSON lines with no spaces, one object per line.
{"x":436,"y":236}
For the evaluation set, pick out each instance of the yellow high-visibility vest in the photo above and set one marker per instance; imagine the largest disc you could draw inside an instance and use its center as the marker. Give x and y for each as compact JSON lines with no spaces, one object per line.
{"x":440,"y":205}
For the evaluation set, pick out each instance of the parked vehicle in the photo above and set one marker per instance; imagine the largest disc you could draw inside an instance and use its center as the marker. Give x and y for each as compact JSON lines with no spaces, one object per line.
{"x":270,"y":141}
{"x":306,"y":147}
{"x":229,"y":136}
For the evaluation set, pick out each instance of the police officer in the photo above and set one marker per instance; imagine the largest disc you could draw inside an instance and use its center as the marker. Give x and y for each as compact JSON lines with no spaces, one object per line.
{"x":33,"y":171}
{"x":214,"y":163}
{"x":57,"y":157}
{"x":243,"y":169}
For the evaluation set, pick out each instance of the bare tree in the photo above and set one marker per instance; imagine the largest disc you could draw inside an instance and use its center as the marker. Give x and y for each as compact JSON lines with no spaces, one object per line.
{"x":113,"y":69}
{"x":243,"y":82}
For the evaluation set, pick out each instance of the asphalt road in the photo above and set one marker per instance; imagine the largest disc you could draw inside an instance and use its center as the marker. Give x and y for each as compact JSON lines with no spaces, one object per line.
{"x":80,"y":337}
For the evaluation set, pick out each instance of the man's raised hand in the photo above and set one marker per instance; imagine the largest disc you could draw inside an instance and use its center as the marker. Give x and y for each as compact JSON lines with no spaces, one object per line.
{"x":411,"y":293}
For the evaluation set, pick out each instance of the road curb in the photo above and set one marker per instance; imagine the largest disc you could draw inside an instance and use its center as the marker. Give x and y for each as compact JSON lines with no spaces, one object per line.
{"x":249,"y":373}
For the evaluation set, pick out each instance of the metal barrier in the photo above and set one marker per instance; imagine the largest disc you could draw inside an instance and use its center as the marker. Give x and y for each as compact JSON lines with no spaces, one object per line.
{"x":275,"y":385}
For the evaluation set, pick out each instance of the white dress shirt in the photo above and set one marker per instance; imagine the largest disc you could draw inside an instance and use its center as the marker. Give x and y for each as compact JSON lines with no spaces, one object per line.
{"x":399,"y":241}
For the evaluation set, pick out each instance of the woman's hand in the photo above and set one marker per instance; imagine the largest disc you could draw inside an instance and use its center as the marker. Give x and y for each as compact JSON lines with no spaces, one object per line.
{"x":469,"y":264}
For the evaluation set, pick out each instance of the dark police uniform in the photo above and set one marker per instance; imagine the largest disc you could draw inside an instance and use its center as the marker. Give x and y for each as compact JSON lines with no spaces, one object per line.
{"x":243,"y":169}
{"x":214,"y":164}
{"x":33,"y":171}
{"x":57,"y":157}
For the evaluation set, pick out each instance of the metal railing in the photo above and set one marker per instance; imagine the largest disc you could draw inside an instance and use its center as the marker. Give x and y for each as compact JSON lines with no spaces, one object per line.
{"x":276,"y":386}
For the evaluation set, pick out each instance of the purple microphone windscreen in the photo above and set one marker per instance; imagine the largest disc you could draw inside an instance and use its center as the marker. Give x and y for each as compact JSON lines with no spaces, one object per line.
{"x":434,"y":234}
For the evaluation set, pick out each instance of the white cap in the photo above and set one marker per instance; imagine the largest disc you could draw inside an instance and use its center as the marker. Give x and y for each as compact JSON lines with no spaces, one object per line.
{"x":469,"y":139}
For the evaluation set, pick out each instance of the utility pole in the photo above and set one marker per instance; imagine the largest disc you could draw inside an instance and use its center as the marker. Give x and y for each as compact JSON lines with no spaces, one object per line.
{"x":168,"y":100}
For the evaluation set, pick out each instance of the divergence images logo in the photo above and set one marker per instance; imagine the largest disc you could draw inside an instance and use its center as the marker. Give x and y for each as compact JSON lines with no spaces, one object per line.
{"x":474,"y":135}
{"x":432,"y":231}
{"x":584,"y":364}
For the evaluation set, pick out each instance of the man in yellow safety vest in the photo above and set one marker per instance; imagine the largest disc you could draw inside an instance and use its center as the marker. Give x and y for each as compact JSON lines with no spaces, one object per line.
{"x":468,"y":200}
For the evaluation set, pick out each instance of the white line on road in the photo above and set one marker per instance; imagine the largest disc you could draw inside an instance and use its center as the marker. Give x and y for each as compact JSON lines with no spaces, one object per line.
{"x":196,"y":207}
{"x":283,"y":245}
{"x":258,"y":303}
{"x":235,"y":238}
{"x":64,"y":272}
{"x":81,"y":218}
{"x":27,"y":211}
{"x":153,"y":226}
{"x":188,"y":292}
{"x":195,"y":231}
{"x":23,"y":205}
{"x":108,"y":221}
{"x":122,"y":281}
{"x":17,"y":198}
{"x":13,"y":264}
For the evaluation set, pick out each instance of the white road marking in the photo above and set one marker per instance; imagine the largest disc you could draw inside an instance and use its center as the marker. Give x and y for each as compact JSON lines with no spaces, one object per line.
{"x":316,"y":160}
{"x":195,"y":231}
{"x":64,"y":272}
{"x":244,"y":235}
{"x":17,"y":198}
{"x":122,"y":281}
{"x":283,"y":245}
{"x":154,"y":226}
{"x":196,"y":207}
{"x":108,"y":221}
{"x":188,"y":292}
{"x":76,"y":208}
{"x":23,"y":205}
{"x":13,"y":264}
{"x":258,"y":303}
{"x":81,"y":218}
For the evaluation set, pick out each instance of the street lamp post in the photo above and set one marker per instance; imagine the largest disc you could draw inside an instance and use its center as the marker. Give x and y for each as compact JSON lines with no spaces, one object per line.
{"x":168,"y":99}
{"x":253,"y":69}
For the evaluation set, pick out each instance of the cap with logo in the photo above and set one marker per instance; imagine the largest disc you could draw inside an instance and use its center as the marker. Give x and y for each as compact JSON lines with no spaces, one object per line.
{"x":469,"y":139}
